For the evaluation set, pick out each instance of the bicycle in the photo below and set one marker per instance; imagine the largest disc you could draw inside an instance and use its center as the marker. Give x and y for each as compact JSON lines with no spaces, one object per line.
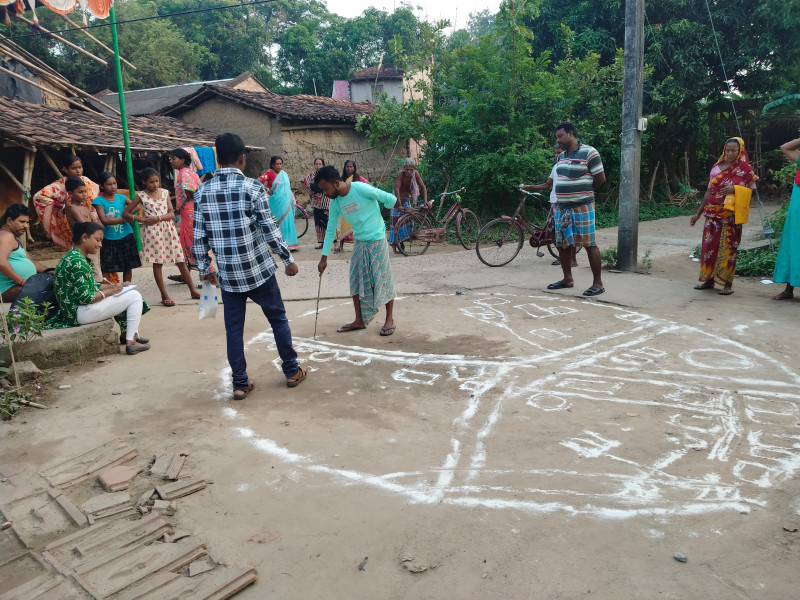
{"x":415,"y":232}
{"x":501,"y":239}
{"x":300,"y":220}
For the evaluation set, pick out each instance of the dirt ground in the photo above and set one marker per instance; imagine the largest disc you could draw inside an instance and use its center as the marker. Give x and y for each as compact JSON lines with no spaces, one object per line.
{"x":506,"y":442}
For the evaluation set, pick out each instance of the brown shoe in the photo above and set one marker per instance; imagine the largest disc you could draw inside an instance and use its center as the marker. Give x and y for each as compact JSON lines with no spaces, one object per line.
{"x":297,"y":378}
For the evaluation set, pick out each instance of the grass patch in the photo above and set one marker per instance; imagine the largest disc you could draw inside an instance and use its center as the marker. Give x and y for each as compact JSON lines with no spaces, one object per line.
{"x":757,"y":262}
{"x":760,"y":262}
{"x":607,"y":215}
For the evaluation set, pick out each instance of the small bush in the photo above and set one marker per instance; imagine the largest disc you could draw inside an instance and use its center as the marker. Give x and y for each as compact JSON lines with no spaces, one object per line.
{"x":10,"y":402}
{"x":757,"y":262}
{"x":25,"y":322}
{"x":760,"y":262}
{"x":647,"y":260}
{"x":609,"y":256}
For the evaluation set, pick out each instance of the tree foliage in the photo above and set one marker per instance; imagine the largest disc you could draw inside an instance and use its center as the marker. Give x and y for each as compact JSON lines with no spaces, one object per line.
{"x":495,"y":97}
{"x":494,"y":89}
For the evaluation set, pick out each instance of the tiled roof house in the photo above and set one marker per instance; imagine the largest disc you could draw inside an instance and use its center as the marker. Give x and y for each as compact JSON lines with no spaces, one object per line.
{"x":299,"y":128}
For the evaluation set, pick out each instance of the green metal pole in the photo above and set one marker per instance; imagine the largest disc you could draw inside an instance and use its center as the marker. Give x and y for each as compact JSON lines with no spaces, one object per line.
{"x":124,"y":117}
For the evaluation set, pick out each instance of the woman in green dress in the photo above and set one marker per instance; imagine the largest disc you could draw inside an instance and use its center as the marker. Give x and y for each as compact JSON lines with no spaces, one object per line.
{"x":82,"y":301}
{"x":787,"y":265}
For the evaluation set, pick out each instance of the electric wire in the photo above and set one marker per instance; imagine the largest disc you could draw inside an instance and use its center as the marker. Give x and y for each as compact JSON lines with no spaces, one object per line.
{"x":151,"y":18}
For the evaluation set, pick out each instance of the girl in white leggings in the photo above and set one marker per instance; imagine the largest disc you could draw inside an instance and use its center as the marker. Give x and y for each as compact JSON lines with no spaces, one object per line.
{"x":82,"y":301}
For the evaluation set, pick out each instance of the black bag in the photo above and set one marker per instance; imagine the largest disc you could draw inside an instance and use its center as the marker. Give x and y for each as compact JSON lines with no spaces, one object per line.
{"x":39,"y":288}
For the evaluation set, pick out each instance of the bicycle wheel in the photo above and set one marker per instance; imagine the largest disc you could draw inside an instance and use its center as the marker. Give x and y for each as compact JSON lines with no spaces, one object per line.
{"x":406,"y":234}
{"x":467,"y":228}
{"x":499,"y":242}
{"x":300,"y":221}
{"x":553,"y":250}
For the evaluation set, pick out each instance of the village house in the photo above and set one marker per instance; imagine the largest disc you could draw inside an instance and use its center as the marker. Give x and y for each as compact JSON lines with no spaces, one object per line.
{"x":150,"y":100}
{"x":369,"y":85}
{"x":374,"y":83}
{"x":43,"y":117}
{"x":299,"y":128}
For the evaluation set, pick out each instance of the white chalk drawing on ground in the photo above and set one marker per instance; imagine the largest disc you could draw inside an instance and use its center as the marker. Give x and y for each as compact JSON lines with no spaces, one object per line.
{"x":735,"y":407}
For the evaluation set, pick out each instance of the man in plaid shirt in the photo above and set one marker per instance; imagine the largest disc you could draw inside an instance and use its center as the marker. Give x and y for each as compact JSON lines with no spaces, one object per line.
{"x":232,"y":218}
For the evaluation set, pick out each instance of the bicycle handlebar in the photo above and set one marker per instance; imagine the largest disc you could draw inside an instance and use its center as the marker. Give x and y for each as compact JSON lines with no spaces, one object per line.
{"x":527,"y":193}
{"x":461,"y":189}
{"x":443,"y":194}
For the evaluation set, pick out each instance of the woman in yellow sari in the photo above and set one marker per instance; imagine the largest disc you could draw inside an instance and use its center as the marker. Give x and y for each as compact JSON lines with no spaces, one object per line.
{"x":721,"y":234}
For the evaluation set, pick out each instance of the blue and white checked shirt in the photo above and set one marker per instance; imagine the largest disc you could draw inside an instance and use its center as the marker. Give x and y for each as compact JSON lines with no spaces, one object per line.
{"x":232,"y":218}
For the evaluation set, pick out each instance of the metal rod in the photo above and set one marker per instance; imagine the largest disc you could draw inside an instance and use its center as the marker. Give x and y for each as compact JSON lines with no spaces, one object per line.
{"x":124,"y":117}
{"x":319,"y":290}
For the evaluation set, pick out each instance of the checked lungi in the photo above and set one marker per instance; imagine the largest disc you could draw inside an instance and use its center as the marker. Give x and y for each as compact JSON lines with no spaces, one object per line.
{"x":371,"y":276}
{"x":395,"y":216}
{"x":575,"y":225}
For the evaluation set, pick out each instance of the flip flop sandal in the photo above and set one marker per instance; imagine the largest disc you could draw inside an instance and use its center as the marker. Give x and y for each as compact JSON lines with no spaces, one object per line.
{"x":297,"y":378}
{"x":725,"y":292}
{"x":168,"y":302}
{"x":560,"y":285}
{"x":387,"y":331}
{"x":594,"y":291}
{"x":348,"y":327}
{"x":245,"y":391}
{"x":706,"y":285}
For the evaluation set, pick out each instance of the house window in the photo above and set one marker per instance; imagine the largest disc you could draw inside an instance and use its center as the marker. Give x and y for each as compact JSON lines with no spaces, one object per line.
{"x":377,"y":90}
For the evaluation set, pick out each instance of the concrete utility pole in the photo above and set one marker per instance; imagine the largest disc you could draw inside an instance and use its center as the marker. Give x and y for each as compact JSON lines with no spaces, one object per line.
{"x":632,"y":127}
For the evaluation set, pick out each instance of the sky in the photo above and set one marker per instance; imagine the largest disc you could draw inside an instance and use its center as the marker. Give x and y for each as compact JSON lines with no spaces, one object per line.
{"x":457,"y":11}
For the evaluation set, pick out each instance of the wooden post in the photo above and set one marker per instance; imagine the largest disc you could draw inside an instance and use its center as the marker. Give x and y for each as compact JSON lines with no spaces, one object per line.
{"x":95,"y":40}
{"x":652,"y":182}
{"x":27,"y":178}
{"x":63,"y":85}
{"x":628,"y":232}
{"x":60,"y":39}
{"x":109,"y":164}
{"x":41,"y":87}
{"x":52,"y":164}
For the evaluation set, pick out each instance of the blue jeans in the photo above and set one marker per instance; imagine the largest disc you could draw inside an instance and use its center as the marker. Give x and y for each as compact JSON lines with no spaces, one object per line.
{"x":268,"y":297}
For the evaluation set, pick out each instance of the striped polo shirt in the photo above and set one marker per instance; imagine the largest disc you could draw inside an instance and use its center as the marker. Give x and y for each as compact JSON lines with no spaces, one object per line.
{"x":576,"y":171}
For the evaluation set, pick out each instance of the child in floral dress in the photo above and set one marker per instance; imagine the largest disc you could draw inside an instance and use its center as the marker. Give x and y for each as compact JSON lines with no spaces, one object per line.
{"x":160,"y":242}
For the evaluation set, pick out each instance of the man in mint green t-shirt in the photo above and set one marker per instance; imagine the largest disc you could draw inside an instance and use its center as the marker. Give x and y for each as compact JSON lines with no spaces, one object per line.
{"x":371,"y":282}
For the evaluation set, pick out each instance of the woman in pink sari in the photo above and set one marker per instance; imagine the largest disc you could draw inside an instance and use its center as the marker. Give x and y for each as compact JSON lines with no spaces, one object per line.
{"x":186,"y":184}
{"x":721,"y":234}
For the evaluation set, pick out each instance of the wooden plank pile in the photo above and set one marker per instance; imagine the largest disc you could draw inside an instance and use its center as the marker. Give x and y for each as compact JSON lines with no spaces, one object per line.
{"x":109,"y":545}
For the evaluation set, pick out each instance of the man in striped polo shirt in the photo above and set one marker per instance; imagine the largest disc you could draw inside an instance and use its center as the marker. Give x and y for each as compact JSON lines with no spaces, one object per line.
{"x":579,"y":172}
